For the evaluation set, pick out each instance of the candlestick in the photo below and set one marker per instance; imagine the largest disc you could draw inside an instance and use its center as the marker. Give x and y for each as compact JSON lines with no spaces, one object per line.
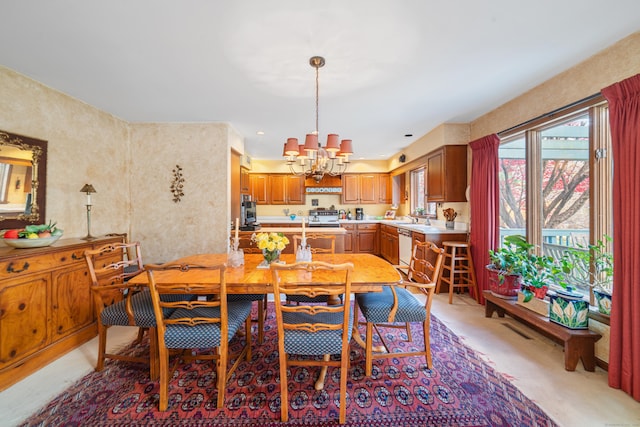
{"x":237,"y":228}
{"x":88,"y":188}
{"x":304,"y":239}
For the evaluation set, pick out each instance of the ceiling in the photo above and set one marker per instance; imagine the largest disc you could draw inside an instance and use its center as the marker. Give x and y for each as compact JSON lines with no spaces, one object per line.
{"x":392,"y":67}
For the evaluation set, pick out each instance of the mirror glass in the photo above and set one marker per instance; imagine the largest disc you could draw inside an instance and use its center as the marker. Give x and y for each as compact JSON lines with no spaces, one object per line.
{"x":23,"y":163}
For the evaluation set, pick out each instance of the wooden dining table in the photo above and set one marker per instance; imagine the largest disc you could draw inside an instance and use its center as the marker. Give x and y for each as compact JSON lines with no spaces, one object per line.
{"x":370,"y":274}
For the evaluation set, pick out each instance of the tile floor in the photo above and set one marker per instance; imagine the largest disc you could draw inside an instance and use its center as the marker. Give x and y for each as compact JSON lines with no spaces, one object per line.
{"x":534,"y":364}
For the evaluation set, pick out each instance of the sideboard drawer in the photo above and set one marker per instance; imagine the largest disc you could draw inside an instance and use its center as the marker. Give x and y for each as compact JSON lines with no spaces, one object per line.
{"x":42,"y":262}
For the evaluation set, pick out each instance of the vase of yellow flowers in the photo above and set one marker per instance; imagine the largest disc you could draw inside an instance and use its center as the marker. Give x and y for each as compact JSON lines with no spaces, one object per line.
{"x":271,"y":244}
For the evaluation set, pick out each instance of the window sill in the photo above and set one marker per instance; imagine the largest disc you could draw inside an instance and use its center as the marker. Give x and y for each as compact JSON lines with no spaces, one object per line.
{"x":599,"y":317}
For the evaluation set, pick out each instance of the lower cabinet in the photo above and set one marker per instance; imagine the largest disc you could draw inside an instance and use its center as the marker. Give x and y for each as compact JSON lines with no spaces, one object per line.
{"x":436,"y":239}
{"x":46,"y":306}
{"x":389,"y":244}
{"x":361,"y":238}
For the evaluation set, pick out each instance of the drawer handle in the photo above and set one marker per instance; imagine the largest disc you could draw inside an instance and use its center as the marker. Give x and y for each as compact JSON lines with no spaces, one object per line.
{"x":73,"y":256}
{"x":11,"y":270}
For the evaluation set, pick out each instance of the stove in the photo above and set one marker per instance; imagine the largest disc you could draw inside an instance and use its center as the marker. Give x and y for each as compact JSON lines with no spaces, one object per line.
{"x":323,"y":218}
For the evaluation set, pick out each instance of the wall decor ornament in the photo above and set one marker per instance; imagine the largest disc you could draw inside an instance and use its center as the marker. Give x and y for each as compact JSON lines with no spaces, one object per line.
{"x":178,"y":184}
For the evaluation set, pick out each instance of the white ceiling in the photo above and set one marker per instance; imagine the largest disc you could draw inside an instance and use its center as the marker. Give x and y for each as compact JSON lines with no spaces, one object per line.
{"x":393,"y":67}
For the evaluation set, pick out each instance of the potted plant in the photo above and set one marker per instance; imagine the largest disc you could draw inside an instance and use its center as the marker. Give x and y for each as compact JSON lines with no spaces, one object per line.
{"x":508,"y":265}
{"x":595,"y":264}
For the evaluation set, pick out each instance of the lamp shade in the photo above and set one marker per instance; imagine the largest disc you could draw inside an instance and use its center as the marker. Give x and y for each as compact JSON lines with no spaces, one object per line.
{"x":345,"y":147}
{"x":301,"y":153}
{"x":311,"y":142}
{"x":332,"y":143}
{"x":88,"y":188}
{"x":291,"y":147}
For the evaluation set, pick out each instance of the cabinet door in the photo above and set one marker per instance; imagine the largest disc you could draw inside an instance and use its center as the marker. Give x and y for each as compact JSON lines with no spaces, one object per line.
{"x":72,"y":300}
{"x":277,"y":190}
{"x":384,"y":188}
{"x":369,"y":188}
{"x":350,"y":189}
{"x":435,"y":177}
{"x":245,"y":181}
{"x":349,"y":238}
{"x":24,"y":317}
{"x":366,"y":242}
{"x":259,"y":185}
{"x":295,"y":190}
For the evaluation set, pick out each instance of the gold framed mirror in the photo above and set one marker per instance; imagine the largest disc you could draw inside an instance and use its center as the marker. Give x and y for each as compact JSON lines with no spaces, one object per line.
{"x":23,"y":175}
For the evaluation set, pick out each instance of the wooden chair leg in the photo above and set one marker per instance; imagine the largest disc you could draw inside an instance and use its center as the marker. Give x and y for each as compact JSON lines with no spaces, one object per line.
{"x":262,"y":314}
{"x":164,"y":379}
{"x":102,"y":346}
{"x":284,"y":396}
{"x":138,"y":339}
{"x":452,"y":274}
{"x":221,"y":371}
{"x":426,"y":326}
{"x":369,"y":350}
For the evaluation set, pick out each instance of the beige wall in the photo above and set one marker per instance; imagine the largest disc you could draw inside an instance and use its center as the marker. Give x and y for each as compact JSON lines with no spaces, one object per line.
{"x":130,"y":167}
{"x":618,"y":62}
{"x":199,"y":222}
{"x":85,"y":145}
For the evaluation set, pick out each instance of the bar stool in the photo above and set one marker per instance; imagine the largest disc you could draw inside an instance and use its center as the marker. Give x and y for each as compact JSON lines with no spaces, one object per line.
{"x":457,"y":269}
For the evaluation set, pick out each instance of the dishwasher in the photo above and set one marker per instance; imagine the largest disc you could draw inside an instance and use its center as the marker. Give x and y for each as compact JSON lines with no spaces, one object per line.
{"x":405,"y":245}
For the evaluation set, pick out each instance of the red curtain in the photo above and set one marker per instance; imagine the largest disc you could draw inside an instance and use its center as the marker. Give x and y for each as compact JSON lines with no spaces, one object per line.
{"x":485,"y":203}
{"x":624,"y":118}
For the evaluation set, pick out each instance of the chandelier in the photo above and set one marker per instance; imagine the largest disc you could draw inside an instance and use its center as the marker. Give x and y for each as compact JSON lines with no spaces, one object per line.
{"x":312,"y":159}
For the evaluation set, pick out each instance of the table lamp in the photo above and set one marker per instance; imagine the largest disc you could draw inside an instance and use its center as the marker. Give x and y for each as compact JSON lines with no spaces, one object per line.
{"x":88,"y":188}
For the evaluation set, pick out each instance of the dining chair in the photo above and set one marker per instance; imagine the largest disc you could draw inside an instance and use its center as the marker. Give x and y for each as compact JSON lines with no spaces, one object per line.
{"x":261,"y":299}
{"x":207,"y":321}
{"x":317,"y":330}
{"x":116,"y":302}
{"x":397,"y":307}
{"x":319,"y":243}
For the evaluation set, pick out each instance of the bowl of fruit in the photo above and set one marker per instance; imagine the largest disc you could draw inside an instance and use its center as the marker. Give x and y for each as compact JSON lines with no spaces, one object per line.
{"x":32,"y":236}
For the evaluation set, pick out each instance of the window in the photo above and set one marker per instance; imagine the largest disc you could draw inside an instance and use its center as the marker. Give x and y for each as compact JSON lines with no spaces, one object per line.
{"x":417,"y":191}
{"x":555,"y":179}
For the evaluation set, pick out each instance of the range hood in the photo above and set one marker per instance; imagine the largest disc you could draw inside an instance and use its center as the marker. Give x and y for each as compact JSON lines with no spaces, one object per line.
{"x":328,"y":185}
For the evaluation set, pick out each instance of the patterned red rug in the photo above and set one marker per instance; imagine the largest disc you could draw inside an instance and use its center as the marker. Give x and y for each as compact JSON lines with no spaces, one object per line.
{"x":460,"y":390}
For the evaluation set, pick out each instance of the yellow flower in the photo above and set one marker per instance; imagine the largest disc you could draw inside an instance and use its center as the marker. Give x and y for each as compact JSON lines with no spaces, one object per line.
{"x":270,"y":241}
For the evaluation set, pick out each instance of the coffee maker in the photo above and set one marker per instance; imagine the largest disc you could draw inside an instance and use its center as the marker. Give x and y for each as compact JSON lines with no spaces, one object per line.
{"x":359,"y":214}
{"x":248,"y":217}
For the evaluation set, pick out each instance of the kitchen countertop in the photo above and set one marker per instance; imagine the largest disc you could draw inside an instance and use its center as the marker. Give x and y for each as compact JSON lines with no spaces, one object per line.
{"x":437,"y":226}
{"x":298,"y":230}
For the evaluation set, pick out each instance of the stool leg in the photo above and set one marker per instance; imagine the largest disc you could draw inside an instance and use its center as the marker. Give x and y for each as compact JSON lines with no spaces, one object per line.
{"x":452,"y":275}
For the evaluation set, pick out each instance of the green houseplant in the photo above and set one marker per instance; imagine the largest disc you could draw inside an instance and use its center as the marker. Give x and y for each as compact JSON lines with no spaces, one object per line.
{"x":593,"y":264}
{"x":508,"y":265}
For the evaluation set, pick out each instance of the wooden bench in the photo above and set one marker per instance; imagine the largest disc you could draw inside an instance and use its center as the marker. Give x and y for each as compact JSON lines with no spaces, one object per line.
{"x":578,"y":343}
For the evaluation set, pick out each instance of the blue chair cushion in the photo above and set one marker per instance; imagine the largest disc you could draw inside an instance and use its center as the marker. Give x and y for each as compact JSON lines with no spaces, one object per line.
{"x":116,"y":314}
{"x":314,"y":343}
{"x":206,"y":335}
{"x":242,"y":297}
{"x":376,"y":306}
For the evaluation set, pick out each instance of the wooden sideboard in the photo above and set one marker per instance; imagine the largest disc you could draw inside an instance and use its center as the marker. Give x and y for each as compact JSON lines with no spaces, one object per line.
{"x":46,"y":306}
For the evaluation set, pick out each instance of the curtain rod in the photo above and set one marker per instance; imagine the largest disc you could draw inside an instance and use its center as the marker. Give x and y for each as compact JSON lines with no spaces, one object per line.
{"x":552,"y":113}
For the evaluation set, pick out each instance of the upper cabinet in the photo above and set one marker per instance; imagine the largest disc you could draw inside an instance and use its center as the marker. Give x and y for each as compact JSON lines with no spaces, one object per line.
{"x":446,"y":179}
{"x":258,"y":184}
{"x":245,"y":181}
{"x":366,"y":188}
{"x":286,"y":190}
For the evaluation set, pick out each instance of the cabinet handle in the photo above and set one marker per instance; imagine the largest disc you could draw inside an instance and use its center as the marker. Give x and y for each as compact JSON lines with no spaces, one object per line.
{"x":73,"y":256}
{"x":11,"y":270}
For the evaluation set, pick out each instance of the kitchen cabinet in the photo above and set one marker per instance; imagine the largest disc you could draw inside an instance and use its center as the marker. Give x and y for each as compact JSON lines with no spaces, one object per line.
{"x":46,"y":306}
{"x":361,"y":238}
{"x":245,"y":181}
{"x":446,"y":174}
{"x":258,"y":184}
{"x":389,"y":244}
{"x":286,"y":190}
{"x":384,"y":189}
{"x":363,"y":188}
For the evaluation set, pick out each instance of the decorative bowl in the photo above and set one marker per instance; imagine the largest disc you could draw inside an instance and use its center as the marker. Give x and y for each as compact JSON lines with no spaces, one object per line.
{"x":32,"y":243}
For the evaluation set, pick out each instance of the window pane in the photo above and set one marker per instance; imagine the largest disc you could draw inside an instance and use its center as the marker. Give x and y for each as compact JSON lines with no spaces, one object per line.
{"x":513,"y":187}
{"x":417,"y":191}
{"x":565,"y":183}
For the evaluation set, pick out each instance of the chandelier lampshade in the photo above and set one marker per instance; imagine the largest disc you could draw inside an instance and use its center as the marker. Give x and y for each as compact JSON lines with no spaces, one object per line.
{"x":311,"y":158}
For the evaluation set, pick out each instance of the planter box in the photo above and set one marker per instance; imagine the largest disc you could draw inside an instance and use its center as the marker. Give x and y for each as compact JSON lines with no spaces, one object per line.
{"x":509,"y":287}
{"x":604,"y":302}
{"x":569,"y":312}
{"x":540,"y":306}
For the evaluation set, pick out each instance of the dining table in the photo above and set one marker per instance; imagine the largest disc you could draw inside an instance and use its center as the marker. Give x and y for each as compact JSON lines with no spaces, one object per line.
{"x":370,"y":273}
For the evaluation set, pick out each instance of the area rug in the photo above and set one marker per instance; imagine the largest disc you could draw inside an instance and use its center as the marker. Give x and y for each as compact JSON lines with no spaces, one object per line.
{"x":460,"y":390}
